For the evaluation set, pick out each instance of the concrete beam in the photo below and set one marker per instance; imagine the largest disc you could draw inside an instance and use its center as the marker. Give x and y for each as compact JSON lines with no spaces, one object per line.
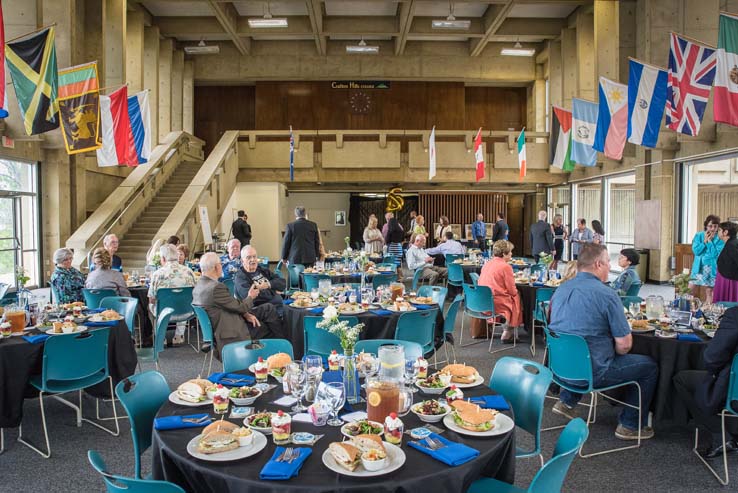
{"x":555,"y":73}
{"x":607,"y":39}
{"x":407,"y":11}
{"x":228,"y":16}
{"x":493,"y":19}
{"x":587,"y":73}
{"x":543,"y":28}
{"x":176,"y":87}
{"x":569,"y":79}
{"x":151,"y":77}
{"x":315,"y":12}
{"x":134,"y":51}
{"x":114,"y":42}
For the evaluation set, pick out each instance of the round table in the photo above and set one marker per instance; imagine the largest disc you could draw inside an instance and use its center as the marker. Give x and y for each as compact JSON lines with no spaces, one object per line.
{"x":420,"y":472}
{"x":346,"y":278}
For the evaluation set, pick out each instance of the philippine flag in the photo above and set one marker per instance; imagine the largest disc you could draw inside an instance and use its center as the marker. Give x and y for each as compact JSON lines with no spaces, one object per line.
{"x":138,"y":112}
{"x":612,"y":119}
{"x":646,"y":102}
{"x":118,"y":144}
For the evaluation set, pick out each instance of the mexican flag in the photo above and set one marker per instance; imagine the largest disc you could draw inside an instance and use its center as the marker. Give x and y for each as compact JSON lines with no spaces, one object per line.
{"x":560,"y":139}
{"x":521,"y":154}
{"x":725,"y":101}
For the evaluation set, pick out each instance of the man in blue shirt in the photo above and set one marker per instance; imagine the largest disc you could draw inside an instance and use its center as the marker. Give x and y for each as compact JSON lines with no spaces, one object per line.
{"x":231,"y":260}
{"x":587,"y":307}
{"x":479,"y":231}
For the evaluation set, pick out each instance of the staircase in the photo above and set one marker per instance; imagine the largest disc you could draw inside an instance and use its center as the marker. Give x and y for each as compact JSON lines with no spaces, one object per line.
{"x":135,"y":243}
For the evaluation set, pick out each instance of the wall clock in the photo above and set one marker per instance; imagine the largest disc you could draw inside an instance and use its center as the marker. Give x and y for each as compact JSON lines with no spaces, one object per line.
{"x":360,"y":102}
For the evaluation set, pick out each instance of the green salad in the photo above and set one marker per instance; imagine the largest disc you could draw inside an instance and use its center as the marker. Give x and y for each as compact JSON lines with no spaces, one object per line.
{"x":363,"y":427}
{"x":261,"y":420}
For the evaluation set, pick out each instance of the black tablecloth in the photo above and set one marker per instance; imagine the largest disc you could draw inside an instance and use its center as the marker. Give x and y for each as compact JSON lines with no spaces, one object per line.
{"x":346,"y":278}
{"x":142,"y":294}
{"x":468,"y":269}
{"x":420,"y":473}
{"x":528,"y":301}
{"x":20,"y":359}
{"x":375,"y":326}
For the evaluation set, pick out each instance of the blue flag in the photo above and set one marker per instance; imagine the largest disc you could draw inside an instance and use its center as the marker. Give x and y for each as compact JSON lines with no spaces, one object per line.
{"x":292,"y":155}
{"x":646,"y":102}
{"x":584,"y":124}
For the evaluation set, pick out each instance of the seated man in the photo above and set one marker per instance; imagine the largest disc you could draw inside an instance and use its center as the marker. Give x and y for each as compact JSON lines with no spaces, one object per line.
{"x":704,"y":391}
{"x":418,"y":259}
{"x":231,"y":260}
{"x":448,"y":246}
{"x":629,"y":258}
{"x":232,"y":320}
{"x":171,"y":274}
{"x":253,"y":274}
{"x":587,"y":307}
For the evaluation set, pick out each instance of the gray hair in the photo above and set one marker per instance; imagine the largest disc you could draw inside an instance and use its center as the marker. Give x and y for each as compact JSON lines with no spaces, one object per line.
{"x":232,"y":241}
{"x":169,"y":252}
{"x":300,"y":211}
{"x":209,"y":262}
{"x":542,"y":215}
{"x":245,"y":250}
{"x":62,"y":254}
{"x":107,"y":239}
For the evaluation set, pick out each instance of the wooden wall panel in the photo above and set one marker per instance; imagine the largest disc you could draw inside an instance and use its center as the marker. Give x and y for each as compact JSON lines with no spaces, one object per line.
{"x":495,"y":108}
{"x":460,"y":208}
{"x":221,"y":108}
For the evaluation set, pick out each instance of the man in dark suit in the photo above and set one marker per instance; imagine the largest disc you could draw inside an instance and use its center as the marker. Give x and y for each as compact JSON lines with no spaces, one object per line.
{"x":704,"y":391}
{"x":232,"y":320}
{"x":252,"y":274}
{"x":241,"y":230}
{"x":301,"y":241}
{"x":500,"y":229}
{"x":541,"y":236}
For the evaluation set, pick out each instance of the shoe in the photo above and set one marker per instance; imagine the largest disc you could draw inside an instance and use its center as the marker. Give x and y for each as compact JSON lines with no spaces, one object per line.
{"x":509,"y":340}
{"x":712,"y":452}
{"x":563,"y":410}
{"x":205,"y":348}
{"x":624,"y":433}
{"x":177,"y":340}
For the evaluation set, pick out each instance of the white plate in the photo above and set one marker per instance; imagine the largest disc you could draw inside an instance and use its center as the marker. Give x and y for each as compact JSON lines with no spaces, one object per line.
{"x":395,"y":459}
{"x":478,"y":381}
{"x":392,"y":309}
{"x":256,"y":446}
{"x":265,"y":431}
{"x":313,"y":304}
{"x":352,"y":312}
{"x":503,"y":424}
{"x":80,"y":328}
{"x":174,"y":399}
{"x":97,"y":318}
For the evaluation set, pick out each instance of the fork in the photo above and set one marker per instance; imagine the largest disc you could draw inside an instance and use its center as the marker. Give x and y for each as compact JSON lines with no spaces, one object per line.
{"x":295,"y":454}
{"x":282,"y":456}
{"x":196,"y":421}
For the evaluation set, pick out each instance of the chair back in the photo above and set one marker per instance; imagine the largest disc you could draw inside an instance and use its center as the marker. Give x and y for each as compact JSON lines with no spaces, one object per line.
{"x":55,"y":297}
{"x":569,"y":359}
{"x":727,"y":304}
{"x":537,"y":268}
{"x":390,"y":259}
{"x":230,"y":283}
{"x":141,"y":396}
{"x":524,"y":384}
{"x":455,"y":274}
{"x":125,"y":305}
{"x":93,"y":297}
{"x":64,"y":368}
{"x":731,"y":403}
{"x":388,"y":265}
{"x":4,"y":286}
{"x":474,"y":278}
{"x":278,"y":270}
{"x":312,"y":281}
{"x":450,"y":321}
{"x":413,"y":350}
{"x":116,"y":484}
{"x":478,"y":298}
{"x":634,"y":289}
{"x":160,"y":332}
{"x":552,"y":475}
{"x":237,"y":357}
{"x":416,"y":278}
{"x":427,"y":292}
{"x":450,"y":257}
{"x":543,"y":297}
{"x":178,"y":299}
{"x":205,"y":326}
{"x":383,"y":280}
{"x":320,"y":341}
{"x":418,"y":326}
{"x":294,"y":271}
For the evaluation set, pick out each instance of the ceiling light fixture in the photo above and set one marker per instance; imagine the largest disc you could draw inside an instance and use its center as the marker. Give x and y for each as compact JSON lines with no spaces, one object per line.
{"x":518,"y":50}
{"x":267,"y":21}
{"x":450,"y":22}
{"x":202,"y":49}
{"x":362,"y":47}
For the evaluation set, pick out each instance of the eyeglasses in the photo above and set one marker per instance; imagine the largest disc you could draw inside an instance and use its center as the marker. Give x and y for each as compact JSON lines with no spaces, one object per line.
{"x":251,"y":257}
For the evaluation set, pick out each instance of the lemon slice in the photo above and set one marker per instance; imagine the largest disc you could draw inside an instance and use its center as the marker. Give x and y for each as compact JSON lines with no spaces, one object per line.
{"x":374,"y":399}
{"x":391,"y":365}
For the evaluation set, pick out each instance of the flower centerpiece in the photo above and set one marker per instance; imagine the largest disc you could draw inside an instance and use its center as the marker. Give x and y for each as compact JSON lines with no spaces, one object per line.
{"x":21,"y":278}
{"x":347,"y":251}
{"x":545,"y":259}
{"x":348,"y":336}
{"x":681,"y":282}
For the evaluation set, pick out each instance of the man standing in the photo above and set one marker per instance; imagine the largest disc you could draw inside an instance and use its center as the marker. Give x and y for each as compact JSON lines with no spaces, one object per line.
{"x":417,"y":258}
{"x":301,"y":241}
{"x":171,"y":274}
{"x":252,"y":274}
{"x":413,"y":215}
{"x":500,"y":230}
{"x":479,"y":231}
{"x":541,"y":237}
{"x":580,"y":237}
{"x":231,"y":260}
{"x":385,"y":226}
{"x":587,"y":307}
{"x":241,"y":230}
{"x":232,"y":320}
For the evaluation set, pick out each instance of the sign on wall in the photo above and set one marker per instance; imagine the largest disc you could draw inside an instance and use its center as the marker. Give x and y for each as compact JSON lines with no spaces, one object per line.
{"x":360,"y":84}
{"x":207,"y":233}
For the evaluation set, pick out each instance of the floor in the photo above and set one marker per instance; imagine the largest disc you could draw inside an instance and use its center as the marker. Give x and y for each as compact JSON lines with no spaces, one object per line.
{"x":664,"y":463}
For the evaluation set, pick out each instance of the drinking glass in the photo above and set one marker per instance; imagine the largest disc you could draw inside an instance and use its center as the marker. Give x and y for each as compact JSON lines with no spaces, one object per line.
{"x":411,"y":371}
{"x":336,"y":396}
{"x":634,"y":309}
{"x":314,"y":294}
{"x":368,"y":366}
{"x":298,"y":386}
{"x":313,"y":363}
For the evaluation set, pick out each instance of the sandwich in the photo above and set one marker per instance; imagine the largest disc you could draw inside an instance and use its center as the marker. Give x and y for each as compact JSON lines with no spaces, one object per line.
{"x":365,"y":442}
{"x":461,"y":373}
{"x":472,"y":417}
{"x":278,"y":362}
{"x":194,"y":390}
{"x":220,"y":425}
{"x":217,"y":442}
{"x":345,"y":455}
{"x":639,"y":324}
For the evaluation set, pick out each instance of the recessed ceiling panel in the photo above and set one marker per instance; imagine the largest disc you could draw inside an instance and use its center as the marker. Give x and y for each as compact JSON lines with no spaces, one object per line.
{"x":542,"y":10}
{"x":257,"y":8}
{"x":159,"y":8}
{"x":353,"y":7}
{"x":440,"y":9}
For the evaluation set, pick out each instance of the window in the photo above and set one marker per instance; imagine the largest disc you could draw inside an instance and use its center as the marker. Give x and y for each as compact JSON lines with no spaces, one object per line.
{"x":19,"y":221}
{"x":619,"y":215}
{"x":709,"y":187}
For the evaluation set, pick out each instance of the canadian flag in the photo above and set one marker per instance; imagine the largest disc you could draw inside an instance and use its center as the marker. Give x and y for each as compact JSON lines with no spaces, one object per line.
{"x":479,"y":154}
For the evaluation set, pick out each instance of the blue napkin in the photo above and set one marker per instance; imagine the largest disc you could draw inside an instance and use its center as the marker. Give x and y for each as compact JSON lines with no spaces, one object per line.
{"x":381,"y":312}
{"x":238,"y":380}
{"x":454,"y":454}
{"x":491,"y":402}
{"x":318,"y":310}
{"x":36,"y":339}
{"x":274,"y":470}
{"x":421,"y":306}
{"x":175,"y":422}
{"x":355,"y":274}
{"x":288,"y":301}
{"x":688,"y":337}
{"x":106,"y":323}
{"x":91,"y":311}
{"x":538,"y":284}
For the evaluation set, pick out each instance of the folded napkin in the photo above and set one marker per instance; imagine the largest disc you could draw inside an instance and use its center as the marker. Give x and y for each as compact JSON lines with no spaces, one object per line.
{"x":175,"y":422}
{"x":454,"y":454}
{"x":233,"y":379}
{"x":106,"y":323}
{"x":421,"y":306}
{"x":288,"y":301}
{"x":318,"y":310}
{"x":491,"y":402}
{"x":36,"y":339}
{"x":381,"y":312}
{"x":274,"y":470}
{"x":688,"y":337}
{"x":91,"y":311}
{"x":538,"y":284}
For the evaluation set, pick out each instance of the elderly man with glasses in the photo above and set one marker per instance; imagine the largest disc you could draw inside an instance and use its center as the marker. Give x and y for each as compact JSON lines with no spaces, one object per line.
{"x":231,"y":260}
{"x":66,"y":281}
{"x":252,"y":274}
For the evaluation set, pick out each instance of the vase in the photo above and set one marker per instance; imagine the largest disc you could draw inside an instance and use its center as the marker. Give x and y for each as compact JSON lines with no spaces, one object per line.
{"x":351,"y":377}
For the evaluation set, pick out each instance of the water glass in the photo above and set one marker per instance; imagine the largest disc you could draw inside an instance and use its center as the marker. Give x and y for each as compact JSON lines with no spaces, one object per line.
{"x":411,"y":371}
{"x":391,"y":361}
{"x":634,"y":309}
{"x":314,"y":294}
{"x":335,"y":394}
{"x":298,"y":385}
{"x":313,"y":363}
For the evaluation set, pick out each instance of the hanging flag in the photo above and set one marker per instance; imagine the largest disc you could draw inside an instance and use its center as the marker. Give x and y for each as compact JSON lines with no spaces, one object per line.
{"x":612,"y":119}
{"x":691,"y":73}
{"x":646,"y":102}
{"x":725,"y":100}
{"x":479,"y":154}
{"x":139,"y":114}
{"x":292,"y":156}
{"x":118,"y":145}
{"x":583,"y":127}
{"x":31,"y":61}
{"x":432,"y":154}
{"x":560,"y":139}
{"x":521,"y":154}
{"x":3,"y":92}
{"x":79,"y":108}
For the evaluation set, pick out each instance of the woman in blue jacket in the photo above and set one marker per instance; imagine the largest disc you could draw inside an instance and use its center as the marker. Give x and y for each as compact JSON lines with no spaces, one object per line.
{"x":706,"y":247}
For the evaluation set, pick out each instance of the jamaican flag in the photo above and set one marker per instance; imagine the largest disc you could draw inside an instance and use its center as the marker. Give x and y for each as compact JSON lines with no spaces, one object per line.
{"x":79,"y":108}
{"x":31,"y":61}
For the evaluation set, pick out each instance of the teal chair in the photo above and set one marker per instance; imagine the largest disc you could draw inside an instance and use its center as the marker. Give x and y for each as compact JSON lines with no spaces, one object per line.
{"x":237,"y":357}
{"x":413,"y":350}
{"x":455,"y":275}
{"x":450,"y":257}
{"x":474,"y":278}
{"x":524,"y":384}
{"x":207,"y":335}
{"x":180,"y":300}
{"x":124,"y":305}
{"x":142,"y":396}
{"x":319,"y":341}
{"x":294,"y":271}
{"x":312,"y":281}
{"x":151,"y":354}
{"x":730,"y":411}
{"x":634,"y":289}
{"x":416,"y":279}
{"x":390,"y":259}
{"x":63,"y":370}
{"x":388,"y":265}
{"x":627,"y":300}
{"x":383,"y":280}
{"x":230,"y":283}
{"x":55,"y":296}
{"x":427,"y":292}
{"x":93,"y":297}
{"x":122,"y":484}
{"x":478,"y":303}
{"x":551,"y":476}
{"x":418,"y":326}
{"x":543,"y":299}
{"x":278,"y":270}
{"x":727,"y":304}
{"x":449,"y":324}
{"x":264,"y":262}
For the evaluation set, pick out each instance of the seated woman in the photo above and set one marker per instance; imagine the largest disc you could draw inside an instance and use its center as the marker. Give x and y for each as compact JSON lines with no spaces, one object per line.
{"x":570,"y":272}
{"x":628,"y":259}
{"x":103,"y":277}
{"x":497,"y":275}
{"x":66,"y":281}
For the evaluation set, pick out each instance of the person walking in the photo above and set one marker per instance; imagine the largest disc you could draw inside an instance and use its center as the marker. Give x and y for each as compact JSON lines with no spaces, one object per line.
{"x":301,"y":243}
{"x":241,"y":230}
{"x":541,"y":237}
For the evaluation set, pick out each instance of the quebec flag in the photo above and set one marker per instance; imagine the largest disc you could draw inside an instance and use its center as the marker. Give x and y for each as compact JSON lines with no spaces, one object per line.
{"x":646,"y":102}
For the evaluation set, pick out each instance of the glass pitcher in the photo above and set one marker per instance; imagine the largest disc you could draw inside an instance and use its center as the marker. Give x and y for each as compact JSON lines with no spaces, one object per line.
{"x":16,"y":316}
{"x":385,"y":396}
{"x":391,"y":361}
{"x":324,"y":287}
{"x":654,"y":306}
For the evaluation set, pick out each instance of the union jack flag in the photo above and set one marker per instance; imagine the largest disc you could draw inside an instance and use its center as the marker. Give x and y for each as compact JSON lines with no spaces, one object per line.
{"x":691,"y":73}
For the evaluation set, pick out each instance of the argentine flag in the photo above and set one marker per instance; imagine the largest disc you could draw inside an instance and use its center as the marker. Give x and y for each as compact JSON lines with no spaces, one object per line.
{"x":646,"y":102}
{"x":583,"y":126}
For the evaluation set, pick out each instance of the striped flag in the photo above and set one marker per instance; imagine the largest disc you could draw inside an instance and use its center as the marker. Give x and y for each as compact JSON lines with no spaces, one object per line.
{"x":521,"y":154}
{"x":432,"y":154}
{"x":646,"y":102}
{"x":139,"y":114}
{"x":3,"y":92}
{"x":560,"y":139}
{"x":79,"y":108}
{"x":292,"y":155}
{"x":725,"y":96}
{"x":583,"y":126}
{"x":118,"y":145}
{"x":612,"y":119}
{"x":479,"y":154}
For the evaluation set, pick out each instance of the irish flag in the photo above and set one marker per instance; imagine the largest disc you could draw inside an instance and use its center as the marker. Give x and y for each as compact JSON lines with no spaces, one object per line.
{"x":560,"y":139}
{"x":725,"y":98}
{"x":612,"y":119}
{"x":521,"y":154}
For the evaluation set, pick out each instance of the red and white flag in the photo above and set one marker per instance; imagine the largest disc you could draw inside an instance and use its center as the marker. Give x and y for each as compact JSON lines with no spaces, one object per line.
{"x":479,"y":154}
{"x":118,"y":144}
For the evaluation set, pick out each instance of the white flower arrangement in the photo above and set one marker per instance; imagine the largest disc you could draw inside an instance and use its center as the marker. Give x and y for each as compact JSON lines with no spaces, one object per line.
{"x":347,"y":335}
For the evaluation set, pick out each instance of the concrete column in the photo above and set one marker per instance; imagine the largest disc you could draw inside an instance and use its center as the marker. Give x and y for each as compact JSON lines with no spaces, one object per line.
{"x":114,"y":42}
{"x":188,"y":97}
{"x":151,"y":77}
{"x":628,"y":35}
{"x":135,"y":51}
{"x":177,"y":75}
{"x":569,"y":72}
{"x":554,"y":73}
{"x":663,"y":189}
{"x":607,"y":39}
{"x":93,"y":46}
{"x":165,"y":92}
{"x":586,"y":70}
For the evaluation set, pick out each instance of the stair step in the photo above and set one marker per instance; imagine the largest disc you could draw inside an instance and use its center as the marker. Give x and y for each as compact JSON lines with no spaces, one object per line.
{"x":137,"y":243}
{"x":136,"y":236}
{"x":134,"y":250}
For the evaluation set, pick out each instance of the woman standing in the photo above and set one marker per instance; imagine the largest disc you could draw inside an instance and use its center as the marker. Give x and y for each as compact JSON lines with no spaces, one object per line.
{"x":419,"y":228}
{"x":726,"y":281}
{"x":395,"y":235}
{"x":560,"y":236}
{"x":598,"y":237}
{"x":66,"y":281}
{"x":373,"y":239}
{"x":497,"y":275}
{"x":706,"y":247}
{"x":103,"y":277}
{"x":443,"y":226}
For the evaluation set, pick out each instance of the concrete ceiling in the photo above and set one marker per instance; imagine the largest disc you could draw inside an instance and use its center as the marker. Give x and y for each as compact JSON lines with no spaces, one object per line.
{"x":345,"y":21}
